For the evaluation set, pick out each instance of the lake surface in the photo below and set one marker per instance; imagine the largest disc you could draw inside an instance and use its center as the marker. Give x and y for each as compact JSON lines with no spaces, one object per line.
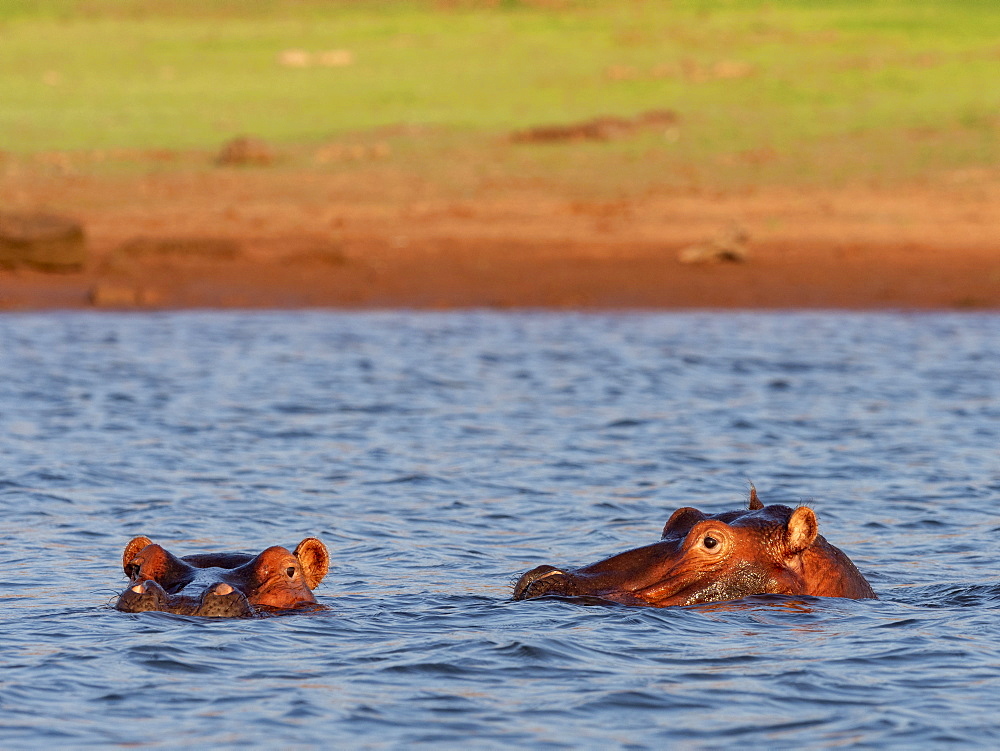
{"x":439,"y":456}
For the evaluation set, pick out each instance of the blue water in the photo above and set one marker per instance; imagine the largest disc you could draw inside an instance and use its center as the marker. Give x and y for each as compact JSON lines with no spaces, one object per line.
{"x":440,"y":455}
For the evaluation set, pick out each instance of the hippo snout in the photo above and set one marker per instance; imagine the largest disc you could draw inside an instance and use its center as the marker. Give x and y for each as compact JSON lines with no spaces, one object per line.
{"x":220,"y":600}
{"x":542,"y":581}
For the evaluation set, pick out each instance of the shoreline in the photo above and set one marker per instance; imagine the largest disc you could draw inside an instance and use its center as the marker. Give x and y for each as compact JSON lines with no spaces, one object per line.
{"x":502,"y":275}
{"x":256,"y":239}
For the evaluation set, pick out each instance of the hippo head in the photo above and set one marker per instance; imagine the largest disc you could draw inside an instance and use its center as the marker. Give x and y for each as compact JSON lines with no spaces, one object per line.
{"x":709,"y":558}
{"x":222,"y":584}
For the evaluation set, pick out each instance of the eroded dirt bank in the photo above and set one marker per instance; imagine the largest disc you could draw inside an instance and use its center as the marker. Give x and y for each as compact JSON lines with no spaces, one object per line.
{"x":259,"y":238}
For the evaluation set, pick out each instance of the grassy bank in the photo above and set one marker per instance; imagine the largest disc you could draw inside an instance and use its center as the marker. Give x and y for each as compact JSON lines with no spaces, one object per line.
{"x":797,"y":91}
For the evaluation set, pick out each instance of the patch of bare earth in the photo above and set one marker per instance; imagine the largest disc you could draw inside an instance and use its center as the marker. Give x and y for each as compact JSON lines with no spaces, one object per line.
{"x":300,"y":237}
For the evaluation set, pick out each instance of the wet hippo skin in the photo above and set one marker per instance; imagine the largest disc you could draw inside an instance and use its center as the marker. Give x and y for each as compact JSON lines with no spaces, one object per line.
{"x":222,"y":585}
{"x":711,"y":558}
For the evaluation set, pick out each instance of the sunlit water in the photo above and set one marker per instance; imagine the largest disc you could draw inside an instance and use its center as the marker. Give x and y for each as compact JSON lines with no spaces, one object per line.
{"x":439,"y":455}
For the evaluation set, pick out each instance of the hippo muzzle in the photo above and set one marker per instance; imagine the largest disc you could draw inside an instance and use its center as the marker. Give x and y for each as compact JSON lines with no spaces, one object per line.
{"x":219,"y":600}
{"x":544,"y":580}
{"x":549,"y":581}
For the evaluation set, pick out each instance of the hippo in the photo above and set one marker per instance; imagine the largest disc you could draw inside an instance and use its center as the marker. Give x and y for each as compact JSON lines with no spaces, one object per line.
{"x":704,"y":558}
{"x":222,"y":585}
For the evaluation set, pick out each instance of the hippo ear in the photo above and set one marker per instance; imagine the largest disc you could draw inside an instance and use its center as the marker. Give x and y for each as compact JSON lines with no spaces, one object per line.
{"x":755,"y":504}
{"x":801,"y":531}
{"x":132,"y":550}
{"x":681,"y":521}
{"x":314,"y":559}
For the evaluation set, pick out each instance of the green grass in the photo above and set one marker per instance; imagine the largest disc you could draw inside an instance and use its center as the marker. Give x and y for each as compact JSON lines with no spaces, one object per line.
{"x":884,"y":86}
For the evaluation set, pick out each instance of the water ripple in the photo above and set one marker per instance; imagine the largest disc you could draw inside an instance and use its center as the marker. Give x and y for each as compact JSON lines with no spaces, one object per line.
{"x":441,"y":455}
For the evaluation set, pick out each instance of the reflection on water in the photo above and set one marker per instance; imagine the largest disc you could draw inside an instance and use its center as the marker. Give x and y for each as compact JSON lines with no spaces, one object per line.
{"x":439,"y":456}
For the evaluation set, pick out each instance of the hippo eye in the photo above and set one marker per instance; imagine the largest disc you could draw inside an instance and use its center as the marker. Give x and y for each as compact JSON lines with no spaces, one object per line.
{"x":709,"y":542}
{"x":290,"y":572}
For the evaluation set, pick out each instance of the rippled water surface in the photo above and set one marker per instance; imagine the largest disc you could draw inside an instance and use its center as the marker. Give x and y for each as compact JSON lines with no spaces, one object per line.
{"x":439,"y":455}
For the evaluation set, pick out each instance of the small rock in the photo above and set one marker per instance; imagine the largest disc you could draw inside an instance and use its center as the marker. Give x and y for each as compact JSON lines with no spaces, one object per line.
{"x":246,"y":150}
{"x":295,"y":59}
{"x":597,"y":129}
{"x":47,"y":242}
{"x":730,"y":246}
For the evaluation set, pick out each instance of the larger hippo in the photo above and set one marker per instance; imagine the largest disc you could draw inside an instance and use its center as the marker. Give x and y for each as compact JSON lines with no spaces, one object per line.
{"x":222,"y":585}
{"x":713,"y":557}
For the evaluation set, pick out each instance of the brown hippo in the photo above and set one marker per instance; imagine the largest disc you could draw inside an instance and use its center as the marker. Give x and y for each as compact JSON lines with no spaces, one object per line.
{"x":709,"y":558}
{"x":222,"y":585}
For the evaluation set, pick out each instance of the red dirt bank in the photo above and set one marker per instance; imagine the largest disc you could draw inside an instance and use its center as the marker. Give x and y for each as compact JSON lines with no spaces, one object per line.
{"x":308,"y":240}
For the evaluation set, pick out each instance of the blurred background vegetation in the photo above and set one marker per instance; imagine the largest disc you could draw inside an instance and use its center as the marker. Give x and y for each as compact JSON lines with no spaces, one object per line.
{"x":784,"y":91}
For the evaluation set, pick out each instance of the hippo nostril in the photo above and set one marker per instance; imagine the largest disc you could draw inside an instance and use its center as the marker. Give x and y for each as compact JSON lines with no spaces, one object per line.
{"x":553,"y":572}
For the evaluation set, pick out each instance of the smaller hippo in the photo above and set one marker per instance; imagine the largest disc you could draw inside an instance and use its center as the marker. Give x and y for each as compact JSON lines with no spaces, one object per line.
{"x":222,"y":585}
{"x":711,"y":558}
